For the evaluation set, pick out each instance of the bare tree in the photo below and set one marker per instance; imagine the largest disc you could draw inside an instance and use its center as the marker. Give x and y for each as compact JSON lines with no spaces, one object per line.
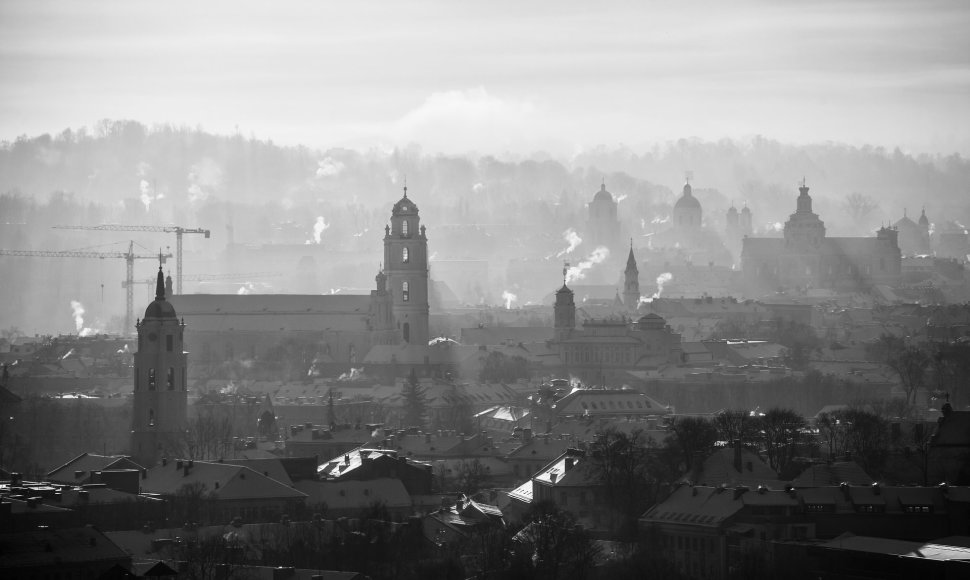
{"x":693,"y":438}
{"x":782,"y":433}
{"x":859,"y":206}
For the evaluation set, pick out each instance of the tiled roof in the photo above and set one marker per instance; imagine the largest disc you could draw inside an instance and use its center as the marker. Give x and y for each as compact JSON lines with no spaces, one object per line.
{"x":56,"y":547}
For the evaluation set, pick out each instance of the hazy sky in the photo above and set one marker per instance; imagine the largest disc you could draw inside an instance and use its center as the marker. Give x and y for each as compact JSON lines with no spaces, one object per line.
{"x":491,"y":75}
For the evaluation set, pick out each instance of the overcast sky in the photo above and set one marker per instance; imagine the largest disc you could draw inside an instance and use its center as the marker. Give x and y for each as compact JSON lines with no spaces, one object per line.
{"x":494,"y":75}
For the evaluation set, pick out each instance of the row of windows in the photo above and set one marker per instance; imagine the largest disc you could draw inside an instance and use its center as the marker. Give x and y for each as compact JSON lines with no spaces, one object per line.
{"x":614,"y":355}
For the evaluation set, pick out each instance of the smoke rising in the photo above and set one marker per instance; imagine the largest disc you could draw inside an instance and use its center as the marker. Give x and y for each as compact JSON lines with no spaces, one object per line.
{"x":573,"y":239}
{"x":578,"y":272}
{"x":509,"y":298}
{"x":319,"y":227}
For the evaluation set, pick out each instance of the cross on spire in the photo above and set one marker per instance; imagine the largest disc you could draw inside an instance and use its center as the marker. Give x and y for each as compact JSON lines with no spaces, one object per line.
{"x":565,"y":272}
{"x":405,"y":186}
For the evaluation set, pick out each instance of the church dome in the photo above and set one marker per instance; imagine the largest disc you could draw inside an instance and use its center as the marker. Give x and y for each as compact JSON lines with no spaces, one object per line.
{"x":603,"y":195}
{"x":687,"y":200}
{"x":405,"y":206}
{"x":732,"y":211}
{"x":745,"y":209}
{"x":160,"y":309}
{"x":923,"y":220}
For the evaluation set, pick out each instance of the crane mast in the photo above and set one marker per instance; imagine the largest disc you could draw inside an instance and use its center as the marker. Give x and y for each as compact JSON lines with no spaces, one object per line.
{"x":128,"y":256}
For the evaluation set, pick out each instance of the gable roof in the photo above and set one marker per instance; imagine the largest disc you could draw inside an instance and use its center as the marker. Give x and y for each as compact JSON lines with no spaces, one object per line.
{"x":833,"y":474}
{"x":88,"y":462}
{"x":272,"y":312}
{"x":223,"y":480}
{"x":51,"y":547}
{"x":356,"y":494}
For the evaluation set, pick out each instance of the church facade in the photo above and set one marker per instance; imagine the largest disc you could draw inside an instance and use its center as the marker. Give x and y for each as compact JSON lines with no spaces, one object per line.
{"x":334,"y":329}
{"x":806,"y":258}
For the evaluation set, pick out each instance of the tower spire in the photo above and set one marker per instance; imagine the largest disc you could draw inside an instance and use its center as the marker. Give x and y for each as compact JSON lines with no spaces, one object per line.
{"x":405,"y":186}
{"x":160,"y":280}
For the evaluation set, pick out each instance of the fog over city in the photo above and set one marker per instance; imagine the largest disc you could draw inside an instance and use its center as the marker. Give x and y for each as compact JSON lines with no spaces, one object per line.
{"x":367,"y":219}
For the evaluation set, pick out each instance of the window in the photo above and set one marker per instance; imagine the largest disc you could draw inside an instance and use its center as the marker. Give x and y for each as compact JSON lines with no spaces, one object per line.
{"x":404,"y":256}
{"x":170,"y":379}
{"x":407,"y":332}
{"x":151,"y":418}
{"x":405,"y":291}
{"x":404,"y":228}
{"x":168,"y":342}
{"x":151,"y":379}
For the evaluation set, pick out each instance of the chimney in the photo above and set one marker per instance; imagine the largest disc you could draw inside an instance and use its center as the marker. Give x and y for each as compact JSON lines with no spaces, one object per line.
{"x":178,"y":464}
{"x":164,"y":461}
{"x":527,"y":435}
{"x":569,"y":463}
{"x":553,"y":477}
{"x":347,"y":459}
{"x":78,"y":474}
{"x":739,"y":491}
{"x":185,"y":471}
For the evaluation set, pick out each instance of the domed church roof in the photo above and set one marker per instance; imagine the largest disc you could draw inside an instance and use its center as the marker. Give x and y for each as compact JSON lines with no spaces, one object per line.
{"x":603,"y":195}
{"x":687,"y":200}
{"x":160,"y":308}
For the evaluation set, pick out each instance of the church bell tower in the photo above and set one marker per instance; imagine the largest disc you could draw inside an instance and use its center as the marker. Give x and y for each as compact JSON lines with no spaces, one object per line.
{"x":160,"y":390}
{"x":406,"y":268}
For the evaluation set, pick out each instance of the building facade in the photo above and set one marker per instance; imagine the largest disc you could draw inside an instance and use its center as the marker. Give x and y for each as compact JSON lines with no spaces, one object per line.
{"x":806,"y":258}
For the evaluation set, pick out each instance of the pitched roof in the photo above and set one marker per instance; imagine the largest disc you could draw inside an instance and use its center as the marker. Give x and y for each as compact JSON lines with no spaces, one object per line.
{"x":592,"y":402}
{"x":51,"y":547}
{"x":88,"y":462}
{"x":272,"y":312}
{"x":833,"y":474}
{"x":356,"y":494}
{"x":719,"y":469}
{"x":223,"y":480}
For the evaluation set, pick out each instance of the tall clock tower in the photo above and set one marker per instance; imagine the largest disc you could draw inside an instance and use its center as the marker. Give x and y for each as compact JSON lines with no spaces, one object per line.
{"x":406,"y":268}
{"x":160,"y":396}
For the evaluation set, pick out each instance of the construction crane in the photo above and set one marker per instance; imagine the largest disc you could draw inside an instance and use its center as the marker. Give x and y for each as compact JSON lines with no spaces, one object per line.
{"x":211,"y":277}
{"x":177,"y":230}
{"x":130,"y":256}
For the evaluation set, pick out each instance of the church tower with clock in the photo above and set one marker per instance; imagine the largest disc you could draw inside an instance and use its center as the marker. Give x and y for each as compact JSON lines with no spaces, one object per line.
{"x":160,"y":390}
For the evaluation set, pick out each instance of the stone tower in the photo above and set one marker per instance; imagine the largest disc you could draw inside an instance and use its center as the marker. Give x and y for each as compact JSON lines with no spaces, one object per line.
{"x":406,"y":269}
{"x":160,"y":395}
{"x":631,"y":282}
{"x":564,"y":310}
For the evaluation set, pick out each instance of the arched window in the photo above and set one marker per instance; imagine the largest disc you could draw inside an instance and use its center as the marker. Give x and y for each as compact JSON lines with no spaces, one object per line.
{"x":151,"y":418}
{"x":151,"y":379}
{"x":406,"y":329}
{"x":404,"y":228}
{"x":170,"y":379}
{"x":405,"y":258}
{"x":405,"y":291}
